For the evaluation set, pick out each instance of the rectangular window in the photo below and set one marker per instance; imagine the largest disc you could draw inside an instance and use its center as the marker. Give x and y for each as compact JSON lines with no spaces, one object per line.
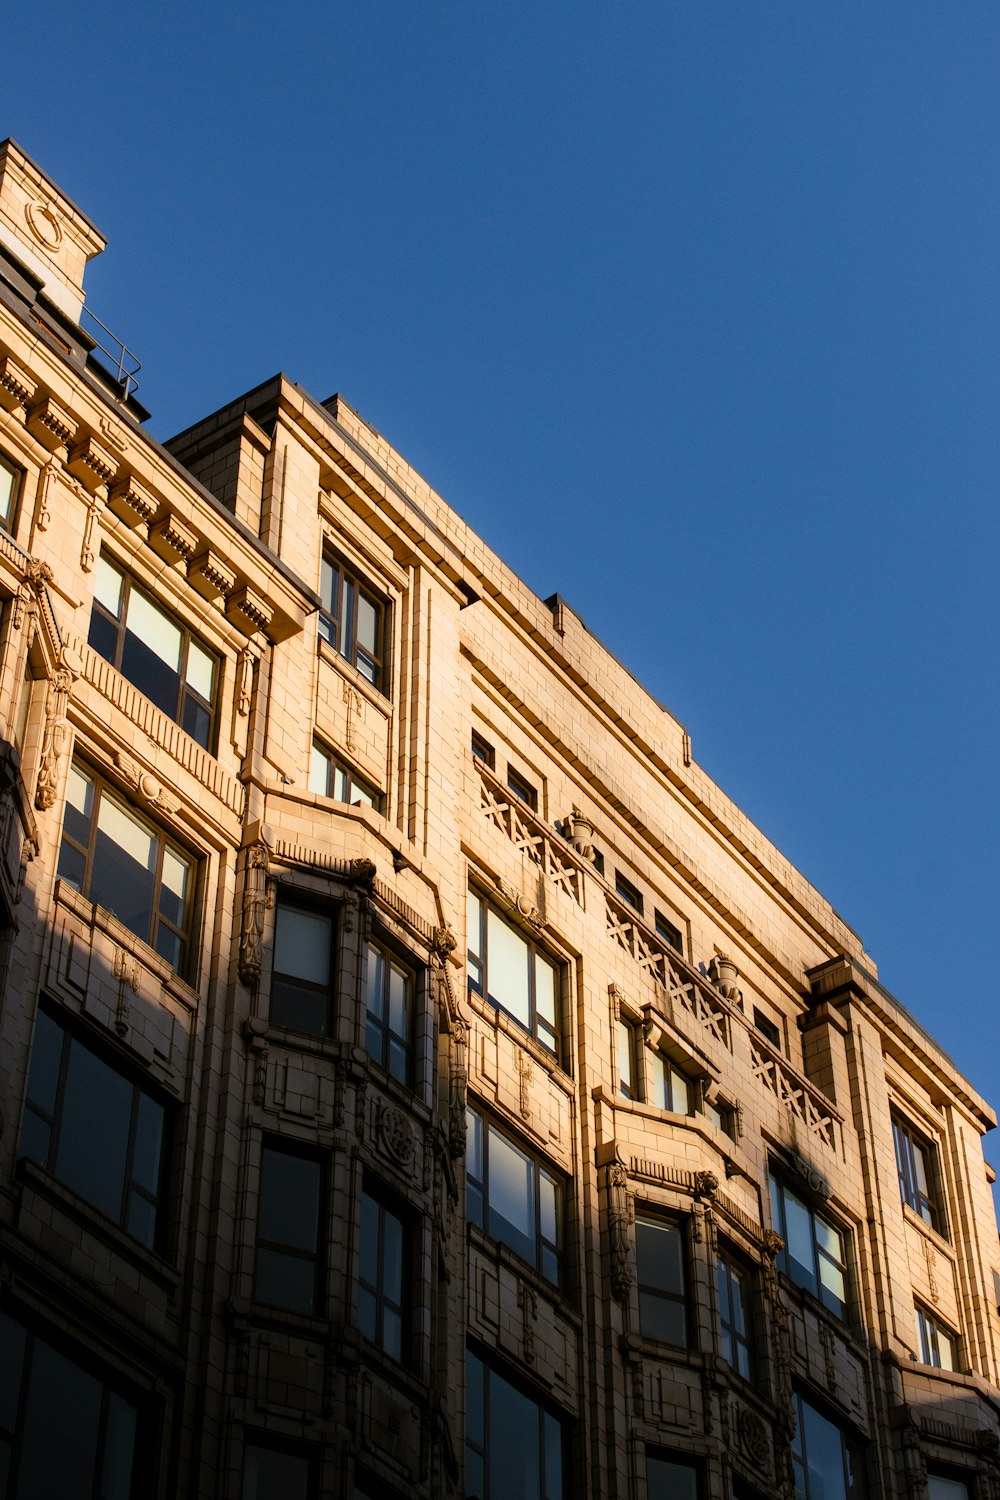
{"x":483,"y":751}
{"x":117,"y":859}
{"x":332,"y":777}
{"x":671,"y":1089}
{"x":154,"y":652}
{"x":513,"y":1197}
{"x":96,"y":1130}
{"x":63,"y":1431}
{"x":514,"y":1446}
{"x":274,"y":1473}
{"x":389,"y":1021}
{"x":767,"y":1028}
{"x":947,"y":1487}
{"x":815,"y":1253}
{"x":522,"y":788}
{"x":662,"y":1279}
{"x":352,"y":620}
{"x":511,"y":972}
{"x":916,"y":1168}
{"x":628,"y":1056}
{"x":827,"y":1463}
{"x":627,"y":892}
{"x":289,"y":1212}
{"x":722,"y":1116}
{"x":732,"y":1285}
{"x":938,"y":1347}
{"x":10,"y":484}
{"x":382,"y":1276}
{"x":670,"y":1478}
{"x":666,"y":930}
{"x":301,"y":979}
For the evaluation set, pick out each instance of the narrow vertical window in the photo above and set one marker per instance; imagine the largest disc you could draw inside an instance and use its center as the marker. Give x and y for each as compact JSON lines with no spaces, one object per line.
{"x":916,"y":1168}
{"x":672,"y":1089}
{"x":938,"y":1347}
{"x":301,"y":978}
{"x":514,"y":1446}
{"x":352,"y":620}
{"x":10,"y":483}
{"x":388,"y":1025}
{"x":288,"y":1229}
{"x":628,"y":1052}
{"x":382,"y":1276}
{"x":511,"y":972}
{"x":659,"y":1247}
{"x":732,"y":1285}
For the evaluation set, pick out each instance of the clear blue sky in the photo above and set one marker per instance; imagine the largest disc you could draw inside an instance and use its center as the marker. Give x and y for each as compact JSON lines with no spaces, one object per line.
{"x":690,"y":308}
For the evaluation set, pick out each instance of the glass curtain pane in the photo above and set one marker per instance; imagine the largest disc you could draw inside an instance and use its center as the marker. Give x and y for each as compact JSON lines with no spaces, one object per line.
{"x":507,"y":969}
{"x":302,"y":945}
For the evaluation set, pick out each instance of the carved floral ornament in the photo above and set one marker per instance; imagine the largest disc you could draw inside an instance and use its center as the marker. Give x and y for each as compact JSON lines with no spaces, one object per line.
{"x":254,"y":905}
{"x":56,"y":736}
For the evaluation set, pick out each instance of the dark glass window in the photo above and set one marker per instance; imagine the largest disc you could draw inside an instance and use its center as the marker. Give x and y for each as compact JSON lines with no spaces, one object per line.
{"x":483,"y":750}
{"x":513,"y":1197}
{"x":947,"y":1487}
{"x":916,"y":1167}
{"x":301,"y":979}
{"x":288,"y":1228}
{"x":938,"y":1347}
{"x":514,"y":1446}
{"x":10,"y":484}
{"x":627,"y":892}
{"x":722,"y":1116}
{"x":522,"y":788}
{"x":64,"y":1432}
{"x":732,"y":1285}
{"x":826,"y":1461}
{"x":767,"y":1028}
{"x":332,"y":777}
{"x":670,"y":1478}
{"x":389,"y":1023}
{"x":628,"y":1060}
{"x":659,"y":1248}
{"x":352,"y":620}
{"x":96,"y":1130}
{"x":666,"y":930}
{"x":382,"y":1275}
{"x":157,"y":655}
{"x":815,"y":1253}
{"x":511,"y":972}
{"x":271,"y":1473}
{"x":120,"y":861}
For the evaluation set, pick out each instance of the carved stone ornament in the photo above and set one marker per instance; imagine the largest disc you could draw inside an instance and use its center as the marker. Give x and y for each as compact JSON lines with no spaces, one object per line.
{"x":443,"y":944}
{"x":520,"y":904}
{"x":753,"y":1437}
{"x":126,"y":971}
{"x":147,"y":785}
{"x":706,"y":1185}
{"x":397,"y":1137}
{"x":362,"y":871}
{"x":254,"y":905}
{"x":54,"y":740}
{"x":620,"y":1217}
{"x":458,"y":1078}
{"x":580,"y":833}
{"x":724,"y":974}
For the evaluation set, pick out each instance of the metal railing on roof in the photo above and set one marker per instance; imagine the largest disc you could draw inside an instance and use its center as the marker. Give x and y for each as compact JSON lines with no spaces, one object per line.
{"x":117,"y":358}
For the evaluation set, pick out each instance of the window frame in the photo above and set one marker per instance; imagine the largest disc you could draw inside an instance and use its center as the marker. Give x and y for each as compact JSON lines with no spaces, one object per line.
{"x":931,"y":1334}
{"x":524,"y":790}
{"x":628,"y":892}
{"x":385,"y":1306}
{"x":548,"y":1252}
{"x":851,"y":1450}
{"x":547,"y":1034}
{"x":274,"y":1147}
{"x":668,"y":1079}
{"x":119,"y":625}
{"x":295,"y":988}
{"x":654,"y":1294}
{"x":338,"y":619}
{"x":104,"y":790}
{"x":16,"y":474}
{"x":731,"y":1270}
{"x":383,"y":1054}
{"x":814,"y":1283}
{"x":342,"y":783}
{"x":918,"y":1174}
{"x":54,"y":1121}
{"x":482,"y":1443}
{"x":668,"y":932}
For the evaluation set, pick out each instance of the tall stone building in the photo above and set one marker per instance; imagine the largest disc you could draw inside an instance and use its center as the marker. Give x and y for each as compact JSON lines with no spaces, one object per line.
{"x":418,"y":1078}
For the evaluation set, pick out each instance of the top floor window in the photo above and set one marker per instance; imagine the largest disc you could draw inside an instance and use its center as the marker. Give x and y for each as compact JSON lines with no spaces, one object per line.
{"x":511,"y":972}
{"x":157,"y":655}
{"x":815,"y":1253}
{"x":916,"y":1167}
{"x":352,"y":620}
{"x":118,"y":860}
{"x":522,"y":788}
{"x":670,"y":934}
{"x":483,"y":751}
{"x":10,"y":483}
{"x":627,"y":892}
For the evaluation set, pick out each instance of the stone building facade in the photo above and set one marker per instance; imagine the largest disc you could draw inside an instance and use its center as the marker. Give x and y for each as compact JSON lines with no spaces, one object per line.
{"x":417,"y":1077}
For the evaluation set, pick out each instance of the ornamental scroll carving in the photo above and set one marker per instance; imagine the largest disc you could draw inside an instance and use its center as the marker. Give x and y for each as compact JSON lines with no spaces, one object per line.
{"x":258,"y":859}
{"x":458,"y":1079}
{"x":55,"y":738}
{"x":621,"y":1215}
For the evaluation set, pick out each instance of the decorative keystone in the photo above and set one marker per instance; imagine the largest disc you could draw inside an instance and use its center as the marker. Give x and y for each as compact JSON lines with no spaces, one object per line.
{"x":50,"y":423}
{"x":210,"y":575}
{"x":131,"y":503}
{"x":249,"y":611}
{"x":172,"y":540}
{"x":16,"y":386}
{"x":93,"y":465}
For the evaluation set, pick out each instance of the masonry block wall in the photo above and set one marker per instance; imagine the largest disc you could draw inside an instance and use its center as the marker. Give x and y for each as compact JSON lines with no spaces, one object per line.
{"x":418,"y":1077}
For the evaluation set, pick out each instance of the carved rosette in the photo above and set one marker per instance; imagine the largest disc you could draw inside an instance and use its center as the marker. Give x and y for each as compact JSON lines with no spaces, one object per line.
{"x":621,"y":1215}
{"x":258,"y":860}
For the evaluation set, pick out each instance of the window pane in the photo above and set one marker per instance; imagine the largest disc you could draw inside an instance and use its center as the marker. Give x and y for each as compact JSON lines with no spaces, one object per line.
{"x":108,"y":587}
{"x":798,"y":1223}
{"x":667,"y":1480}
{"x":398,"y":987}
{"x":367,"y":626}
{"x":92,"y":1162}
{"x":514,"y":1457}
{"x":319,"y":771}
{"x":285,"y":1280}
{"x":269,"y":1474}
{"x":79,"y":805}
{"x":289,"y":1199}
{"x":46,"y":1055}
{"x":200,"y":670}
{"x":302,"y":945}
{"x":824,"y":1454}
{"x":545,"y":990}
{"x":511,"y":1197}
{"x":941,"y":1488}
{"x":174,"y":881}
{"x":508,"y":969}
{"x":12,"y":1341}
{"x":156,"y":633}
{"x":63,"y":1467}
{"x":119,"y":1449}
{"x":124,"y":867}
{"x":660,"y":1253}
{"x":147,"y":1149}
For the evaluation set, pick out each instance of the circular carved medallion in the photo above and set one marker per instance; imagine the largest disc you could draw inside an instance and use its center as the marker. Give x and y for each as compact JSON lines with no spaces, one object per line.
{"x":753,"y":1436}
{"x":44,"y":225}
{"x":397,"y":1135}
